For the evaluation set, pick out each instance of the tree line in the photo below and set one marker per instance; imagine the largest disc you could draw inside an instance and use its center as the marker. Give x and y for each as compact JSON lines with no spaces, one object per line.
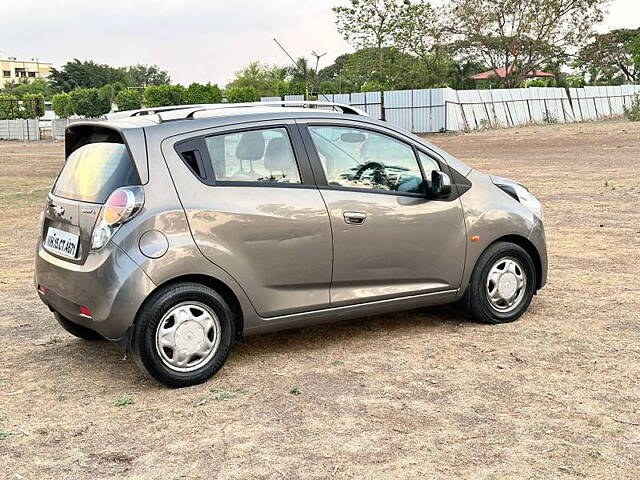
{"x":398,"y":44}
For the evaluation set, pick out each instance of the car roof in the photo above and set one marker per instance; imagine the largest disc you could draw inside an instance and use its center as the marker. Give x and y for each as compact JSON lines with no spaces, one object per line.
{"x":185,"y":119}
{"x":180,"y":120}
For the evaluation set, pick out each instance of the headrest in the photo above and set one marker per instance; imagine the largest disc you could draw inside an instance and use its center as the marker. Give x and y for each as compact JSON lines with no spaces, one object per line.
{"x":278,"y":155}
{"x":250,"y":146}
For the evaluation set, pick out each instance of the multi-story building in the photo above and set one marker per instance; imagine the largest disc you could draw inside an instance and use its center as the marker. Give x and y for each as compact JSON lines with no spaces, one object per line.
{"x":13,"y":70}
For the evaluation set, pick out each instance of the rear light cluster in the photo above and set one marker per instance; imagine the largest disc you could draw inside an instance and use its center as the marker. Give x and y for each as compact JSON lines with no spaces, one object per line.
{"x":121,"y":206}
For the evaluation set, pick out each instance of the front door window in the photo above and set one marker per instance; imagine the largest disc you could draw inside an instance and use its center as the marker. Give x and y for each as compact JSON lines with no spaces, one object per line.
{"x":358,"y":158}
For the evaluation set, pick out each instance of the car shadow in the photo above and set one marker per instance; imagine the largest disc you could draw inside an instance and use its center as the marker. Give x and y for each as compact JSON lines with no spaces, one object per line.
{"x":105,"y":364}
{"x":321,"y":336}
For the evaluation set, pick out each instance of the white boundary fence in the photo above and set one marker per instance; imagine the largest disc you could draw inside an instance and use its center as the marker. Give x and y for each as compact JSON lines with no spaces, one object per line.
{"x":20,"y":129}
{"x":445,"y":109}
{"x":59,"y":124}
{"x":440,"y":109}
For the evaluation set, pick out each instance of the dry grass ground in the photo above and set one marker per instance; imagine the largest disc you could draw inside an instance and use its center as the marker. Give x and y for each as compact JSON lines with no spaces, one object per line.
{"x":422,"y":394}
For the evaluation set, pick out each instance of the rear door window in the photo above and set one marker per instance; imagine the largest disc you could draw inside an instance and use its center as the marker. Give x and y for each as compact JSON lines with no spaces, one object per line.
{"x":94,"y":171}
{"x":256,"y":156}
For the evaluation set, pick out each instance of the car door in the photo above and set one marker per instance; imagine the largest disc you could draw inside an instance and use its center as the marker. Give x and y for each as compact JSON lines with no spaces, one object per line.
{"x":389,"y":238}
{"x":255,"y":211}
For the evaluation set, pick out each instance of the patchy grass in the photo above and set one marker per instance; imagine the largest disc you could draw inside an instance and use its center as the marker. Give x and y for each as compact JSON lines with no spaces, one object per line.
{"x":124,"y":401}
{"x":222,"y":394}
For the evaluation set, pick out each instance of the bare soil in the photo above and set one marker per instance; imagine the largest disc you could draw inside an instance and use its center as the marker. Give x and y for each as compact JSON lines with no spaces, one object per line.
{"x":423,"y":394}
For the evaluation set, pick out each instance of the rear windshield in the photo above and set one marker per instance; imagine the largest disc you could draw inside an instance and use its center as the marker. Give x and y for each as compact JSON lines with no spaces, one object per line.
{"x":94,"y":171}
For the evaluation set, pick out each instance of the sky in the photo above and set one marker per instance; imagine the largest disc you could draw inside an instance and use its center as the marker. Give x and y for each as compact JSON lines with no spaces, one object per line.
{"x":194,"y":40}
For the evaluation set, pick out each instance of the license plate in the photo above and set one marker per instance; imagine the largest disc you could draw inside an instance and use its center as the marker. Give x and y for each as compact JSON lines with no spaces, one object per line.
{"x":61,"y":242}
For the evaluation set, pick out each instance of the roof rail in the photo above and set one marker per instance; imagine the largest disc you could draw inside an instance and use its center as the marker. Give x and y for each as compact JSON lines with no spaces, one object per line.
{"x":193,"y":109}
{"x":149,"y":111}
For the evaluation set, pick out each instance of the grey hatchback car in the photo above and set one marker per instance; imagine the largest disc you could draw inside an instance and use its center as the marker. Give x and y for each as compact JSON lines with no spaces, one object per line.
{"x":177,"y":231}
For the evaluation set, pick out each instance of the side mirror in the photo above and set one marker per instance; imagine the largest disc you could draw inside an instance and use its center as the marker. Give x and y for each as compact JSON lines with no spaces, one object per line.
{"x":440,"y":184}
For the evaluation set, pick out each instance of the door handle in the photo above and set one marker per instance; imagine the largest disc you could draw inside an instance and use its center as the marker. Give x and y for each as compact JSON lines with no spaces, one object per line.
{"x":354,"y":218}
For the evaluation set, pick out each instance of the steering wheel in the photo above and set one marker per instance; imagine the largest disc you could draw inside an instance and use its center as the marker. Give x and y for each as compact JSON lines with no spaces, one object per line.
{"x":379,"y":173}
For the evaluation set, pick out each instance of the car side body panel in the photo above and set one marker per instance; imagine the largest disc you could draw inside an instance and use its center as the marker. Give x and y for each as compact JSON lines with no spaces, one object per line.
{"x":274,"y":240}
{"x":406,"y":246}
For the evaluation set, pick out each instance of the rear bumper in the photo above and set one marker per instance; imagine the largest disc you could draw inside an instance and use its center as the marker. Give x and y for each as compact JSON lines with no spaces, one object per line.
{"x":109,"y":284}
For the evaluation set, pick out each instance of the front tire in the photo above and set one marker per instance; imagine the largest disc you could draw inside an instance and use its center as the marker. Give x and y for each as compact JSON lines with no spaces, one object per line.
{"x":183,"y":334}
{"x":502,"y":284}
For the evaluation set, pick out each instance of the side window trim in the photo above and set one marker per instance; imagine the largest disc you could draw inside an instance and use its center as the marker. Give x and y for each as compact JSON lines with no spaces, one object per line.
{"x":442,"y":166}
{"x":316,"y":164}
{"x":198,"y":142}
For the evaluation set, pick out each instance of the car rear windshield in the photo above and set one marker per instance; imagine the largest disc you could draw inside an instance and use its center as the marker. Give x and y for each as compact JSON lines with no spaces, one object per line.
{"x":94,"y":171}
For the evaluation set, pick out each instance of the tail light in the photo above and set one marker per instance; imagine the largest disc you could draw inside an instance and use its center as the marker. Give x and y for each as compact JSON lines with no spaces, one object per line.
{"x":121,"y":206}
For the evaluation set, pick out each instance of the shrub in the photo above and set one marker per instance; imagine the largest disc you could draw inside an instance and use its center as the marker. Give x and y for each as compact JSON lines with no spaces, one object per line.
{"x":633,"y":112}
{"x":130,"y":99}
{"x":198,"y":93}
{"x":9,"y":108}
{"x":242,"y":94}
{"x":61,"y":104}
{"x":574,"y":81}
{"x":163,"y":95}
{"x":108,"y":93}
{"x":32,"y":105}
{"x":89,"y":102}
{"x":27,"y":106}
{"x":372,"y":86}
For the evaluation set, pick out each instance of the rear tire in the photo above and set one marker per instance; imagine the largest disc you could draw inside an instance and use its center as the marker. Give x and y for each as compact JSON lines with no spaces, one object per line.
{"x":77,"y":330}
{"x":502,"y":284}
{"x":183,"y":334}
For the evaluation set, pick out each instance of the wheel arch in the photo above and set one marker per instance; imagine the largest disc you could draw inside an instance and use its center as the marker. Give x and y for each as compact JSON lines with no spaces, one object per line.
{"x":215,"y":284}
{"x":530,"y":248}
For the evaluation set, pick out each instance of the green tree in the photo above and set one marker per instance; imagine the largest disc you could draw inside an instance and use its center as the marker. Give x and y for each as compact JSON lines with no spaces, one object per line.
{"x":164,"y":95}
{"x":265,"y":79}
{"x":61,"y":104}
{"x":611,"y":55}
{"x":198,"y":93}
{"x":35,"y":86}
{"x":421,"y":30}
{"x":88,"y":102}
{"x":84,"y":74}
{"x":242,"y":94}
{"x":145,"y":75}
{"x":522,"y":35}
{"x":353,"y":71}
{"x":370,"y":24}
{"x":128,"y":99}
{"x":332,"y":80}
